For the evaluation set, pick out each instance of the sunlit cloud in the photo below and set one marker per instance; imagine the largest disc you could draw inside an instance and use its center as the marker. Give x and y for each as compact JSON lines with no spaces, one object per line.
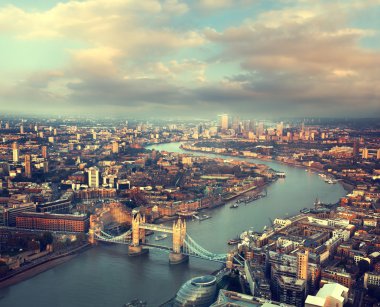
{"x":150,"y":57}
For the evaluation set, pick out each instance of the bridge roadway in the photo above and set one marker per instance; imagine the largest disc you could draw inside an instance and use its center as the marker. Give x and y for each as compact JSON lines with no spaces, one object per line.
{"x":169,"y":249}
{"x":155,"y":227}
{"x":190,"y":247}
{"x":161,"y":247}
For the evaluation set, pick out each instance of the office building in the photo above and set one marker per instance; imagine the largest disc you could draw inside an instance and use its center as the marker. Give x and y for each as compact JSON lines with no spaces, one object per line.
{"x":46,"y":167}
{"x":10,"y":213}
{"x":115,"y":147}
{"x":355,"y":148}
{"x":302,"y":265}
{"x":291,"y":290}
{"x":15,"y":151}
{"x":371,"y":279}
{"x":53,"y":222}
{"x":28,"y":166}
{"x":223,"y":121}
{"x":329,"y":295}
{"x":93,"y":177}
{"x":44,"y":152}
{"x":199,"y":291}
{"x":58,"y":206}
{"x":365,"y":153}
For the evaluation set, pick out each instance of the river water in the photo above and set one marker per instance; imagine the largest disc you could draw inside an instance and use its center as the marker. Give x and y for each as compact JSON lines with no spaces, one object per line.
{"x":106,"y":276}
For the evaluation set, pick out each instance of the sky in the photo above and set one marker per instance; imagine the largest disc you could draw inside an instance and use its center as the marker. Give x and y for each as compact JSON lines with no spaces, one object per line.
{"x":191,"y":58}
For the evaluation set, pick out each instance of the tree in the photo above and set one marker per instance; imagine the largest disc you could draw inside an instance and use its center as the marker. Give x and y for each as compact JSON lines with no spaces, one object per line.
{"x":363,"y":266}
{"x":3,"y":268}
{"x":45,"y":239}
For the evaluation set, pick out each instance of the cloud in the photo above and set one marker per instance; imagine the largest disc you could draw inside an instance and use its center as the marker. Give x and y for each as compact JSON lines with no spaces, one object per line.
{"x":213,"y":5}
{"x":137,"y":27}
{"x":301,"y":58}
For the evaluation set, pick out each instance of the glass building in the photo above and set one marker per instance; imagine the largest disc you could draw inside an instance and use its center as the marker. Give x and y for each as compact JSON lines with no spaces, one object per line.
{"x":199,"y":291}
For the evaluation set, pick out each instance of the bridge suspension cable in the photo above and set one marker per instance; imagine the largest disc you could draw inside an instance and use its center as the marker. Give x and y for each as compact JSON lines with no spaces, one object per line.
{"x":106,"y":237}
{"x":192,"y":248}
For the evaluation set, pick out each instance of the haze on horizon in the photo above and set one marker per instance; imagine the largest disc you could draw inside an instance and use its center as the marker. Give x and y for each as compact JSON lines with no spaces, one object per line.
{"x":168,"y":58}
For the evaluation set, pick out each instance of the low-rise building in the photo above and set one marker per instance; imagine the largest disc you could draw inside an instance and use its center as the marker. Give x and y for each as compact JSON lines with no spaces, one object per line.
{"x":329,"y":295}
{"x":371,"y":279}
{"x":53,"y":222}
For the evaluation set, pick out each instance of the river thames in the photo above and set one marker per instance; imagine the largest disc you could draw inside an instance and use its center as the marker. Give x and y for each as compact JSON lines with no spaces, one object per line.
{"x":106,"y":276}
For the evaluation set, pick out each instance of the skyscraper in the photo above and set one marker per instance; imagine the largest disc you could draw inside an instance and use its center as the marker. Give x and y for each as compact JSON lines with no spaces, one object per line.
{"x":46,"y":167}
{"x":260,"y":129}
{"x":15,"y":152}
{"x":22,"y":129}
{"x":28,"y":166}
{"x":355,"y":151}
{"x":236,"y":123}
{"x":223,"y":121}
{"x":93,"y":177}
{"x":115,"y":147}
{"x":365,"y":154}
{"x":44,"y":152}
{"x":280,"y":129}
{"x":302,"y":265}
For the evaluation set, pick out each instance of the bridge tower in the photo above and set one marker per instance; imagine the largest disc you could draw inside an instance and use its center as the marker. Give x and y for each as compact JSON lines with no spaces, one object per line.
{"x":179,"y":234}
{"x":138,"y":235}
{"x":91,"y":236}
{"x":136,"y":229}
{"x":91,"y":232}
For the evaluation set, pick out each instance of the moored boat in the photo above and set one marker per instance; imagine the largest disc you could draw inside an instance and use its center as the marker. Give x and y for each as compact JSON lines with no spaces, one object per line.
{"x":233,"y":241}
{"x":204,"y":217}
{"x":161,"y":237}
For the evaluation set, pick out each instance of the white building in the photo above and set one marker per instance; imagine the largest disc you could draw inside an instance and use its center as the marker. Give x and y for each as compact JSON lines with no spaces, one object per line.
{"x":15,"y":152}
{"x":93,"y":177}
{"x":340,"y":233}
{"x":329,"y":295}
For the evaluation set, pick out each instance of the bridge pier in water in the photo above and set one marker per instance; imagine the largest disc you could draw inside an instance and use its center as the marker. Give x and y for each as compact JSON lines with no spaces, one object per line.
{"x":139,"y":226}
{"x":138,"y":236}
{"x":179,"y":234}
{"x":182,"y":247}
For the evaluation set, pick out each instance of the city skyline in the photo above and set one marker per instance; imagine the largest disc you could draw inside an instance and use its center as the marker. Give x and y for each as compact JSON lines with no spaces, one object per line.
{"x":259,"y":211}
{"x":191,"y":58}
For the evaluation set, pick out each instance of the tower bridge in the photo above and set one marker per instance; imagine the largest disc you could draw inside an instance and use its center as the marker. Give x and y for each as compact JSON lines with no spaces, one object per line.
{"x":182,"y":247}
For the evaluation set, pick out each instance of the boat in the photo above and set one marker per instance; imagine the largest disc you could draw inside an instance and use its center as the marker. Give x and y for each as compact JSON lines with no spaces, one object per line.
{"x":136,"y":303}
{"x":160,"y":237}
{"x":234,"y":206}
{"x":233,"y":241}
{"x":204,"y":217}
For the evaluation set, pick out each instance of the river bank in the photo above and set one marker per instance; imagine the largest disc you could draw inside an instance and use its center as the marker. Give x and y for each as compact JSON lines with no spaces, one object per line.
{"x":106,"y":276}
{"x":43,"y":266}
{"x":346,"y":185}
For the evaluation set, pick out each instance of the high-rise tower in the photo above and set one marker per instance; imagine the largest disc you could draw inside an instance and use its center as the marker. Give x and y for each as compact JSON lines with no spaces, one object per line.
{"x":302,"y":265}
{"x":93,"y":177}
{"x":223,"y":121}
{"x":28,"y":166}
{"x":15,"y":151}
